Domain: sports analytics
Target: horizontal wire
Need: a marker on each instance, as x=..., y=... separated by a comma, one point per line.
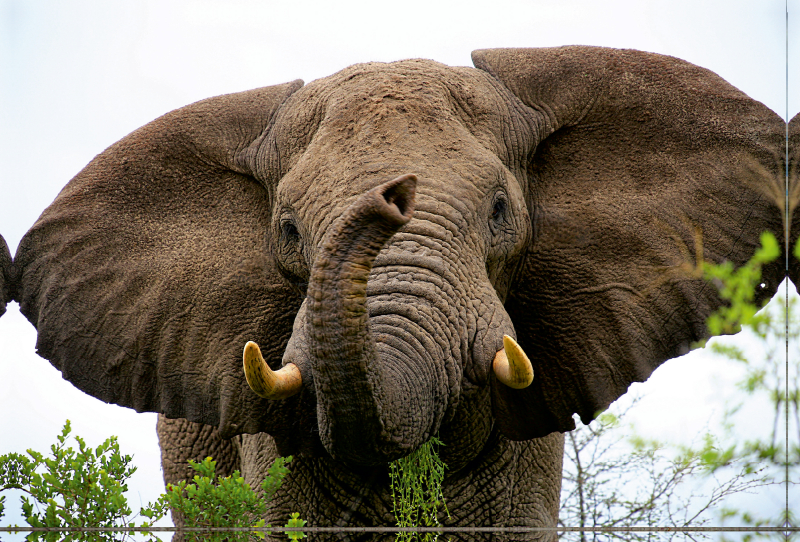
x=784, y=529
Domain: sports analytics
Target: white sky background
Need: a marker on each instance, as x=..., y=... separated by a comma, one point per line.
x=77, y=76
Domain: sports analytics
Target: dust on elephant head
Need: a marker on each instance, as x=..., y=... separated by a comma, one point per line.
x=382, y=229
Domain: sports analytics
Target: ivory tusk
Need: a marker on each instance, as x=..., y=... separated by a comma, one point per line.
x=267, y=383
x=511, y=366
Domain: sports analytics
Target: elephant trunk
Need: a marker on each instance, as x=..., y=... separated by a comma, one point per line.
x=357, y=388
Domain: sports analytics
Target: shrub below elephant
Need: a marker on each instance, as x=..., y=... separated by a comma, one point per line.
x=376, y=234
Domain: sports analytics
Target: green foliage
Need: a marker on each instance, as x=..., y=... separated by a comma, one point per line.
x=220, y=502
x=85, y=488
x=72, y=488
x=416, y=482
x=295, y=522
x=275, y=475
x=738, y=288
x=771, y=376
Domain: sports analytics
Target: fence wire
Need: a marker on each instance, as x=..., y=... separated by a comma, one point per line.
x=782, y=529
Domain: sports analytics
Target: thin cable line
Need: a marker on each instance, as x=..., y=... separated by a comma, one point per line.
x=786, y=530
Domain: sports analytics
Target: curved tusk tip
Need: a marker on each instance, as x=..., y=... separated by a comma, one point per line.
x=251, y=348
x=251, y=359
x=510, y=344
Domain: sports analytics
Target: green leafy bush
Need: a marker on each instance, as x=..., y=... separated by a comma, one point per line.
x=71, y=488
x=738, y=287
x=223, y=502
x=86, y=488
x=771, y=375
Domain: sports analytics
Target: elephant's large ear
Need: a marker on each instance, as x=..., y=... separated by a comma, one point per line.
x=793, y=207
x=5, y=275
x=151, y=269
x=644, y=164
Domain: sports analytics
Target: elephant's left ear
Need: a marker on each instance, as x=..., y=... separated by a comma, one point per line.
x=151, y=270
x=644, y=166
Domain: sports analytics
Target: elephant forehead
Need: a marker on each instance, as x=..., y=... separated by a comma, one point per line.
x=413, y=109
x=419, y=92
x=464, y=169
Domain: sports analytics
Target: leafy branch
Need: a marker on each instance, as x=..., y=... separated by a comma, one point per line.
x=85, y=488
x=416, y=482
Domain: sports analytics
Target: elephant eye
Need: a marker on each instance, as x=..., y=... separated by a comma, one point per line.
x=291, y=260
x=499, y=213
x=499, y=210
x=289, y=231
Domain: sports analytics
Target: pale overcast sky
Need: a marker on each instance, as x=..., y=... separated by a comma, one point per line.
x=77, y=76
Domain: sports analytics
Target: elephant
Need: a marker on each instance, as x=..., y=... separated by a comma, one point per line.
x=343, y=270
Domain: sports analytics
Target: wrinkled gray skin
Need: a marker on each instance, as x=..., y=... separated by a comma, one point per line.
x=382, y=229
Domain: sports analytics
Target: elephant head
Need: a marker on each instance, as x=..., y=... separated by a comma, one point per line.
x=378, y=232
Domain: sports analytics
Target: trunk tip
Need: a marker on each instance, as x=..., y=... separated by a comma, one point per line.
x=400, y=194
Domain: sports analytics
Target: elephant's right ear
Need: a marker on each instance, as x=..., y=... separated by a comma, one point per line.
x=151, y=269
x=644, y=166
x=5, y=275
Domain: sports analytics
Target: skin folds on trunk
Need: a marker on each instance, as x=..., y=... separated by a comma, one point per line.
x=356, y=390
